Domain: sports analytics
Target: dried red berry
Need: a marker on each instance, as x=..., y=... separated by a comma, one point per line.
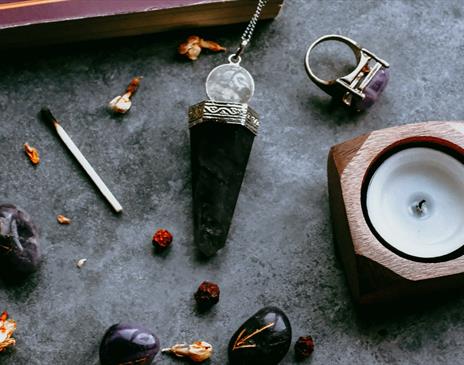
x=162, y=239
x=207, y=294
x=304, y=347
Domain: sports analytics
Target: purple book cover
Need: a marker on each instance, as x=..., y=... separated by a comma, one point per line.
x=14, y=13
x=40, y=22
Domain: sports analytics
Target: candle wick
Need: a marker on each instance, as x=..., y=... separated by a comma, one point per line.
x=420, y=206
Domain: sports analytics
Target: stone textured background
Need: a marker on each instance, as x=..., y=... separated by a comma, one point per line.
x=280, y=247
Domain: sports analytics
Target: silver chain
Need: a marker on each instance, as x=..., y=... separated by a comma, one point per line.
x=247, y=34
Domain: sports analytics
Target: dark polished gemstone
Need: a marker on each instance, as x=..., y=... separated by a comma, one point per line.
x=263, y=339
x=19, y=246
x=219, y=154
x=128, y=344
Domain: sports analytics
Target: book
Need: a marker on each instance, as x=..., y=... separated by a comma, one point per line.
x=37, y=22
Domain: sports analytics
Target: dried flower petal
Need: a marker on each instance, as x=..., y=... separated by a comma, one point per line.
x=32, y=153
x=207, y=294
x=194, y=44
x=62, y=219
x=81, y=263
x=7, y=327
x=122, y=103
x=304, y=347
x=193, y=52
x=193, y=40
x=211, y=45
x=162, y=239
x=197, y=352
x=134, y=85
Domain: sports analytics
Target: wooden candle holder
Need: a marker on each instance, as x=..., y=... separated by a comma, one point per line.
x=376, y=273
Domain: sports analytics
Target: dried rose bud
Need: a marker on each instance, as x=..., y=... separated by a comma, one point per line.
x=134, y=85
x=207, y=294
x=122, y=103
x=7, y=327
x=211, y=45
x=162, y=239
x=197, y=352
x=194, y=44
x=62, y=219
x=304, y=347
x=32, y=153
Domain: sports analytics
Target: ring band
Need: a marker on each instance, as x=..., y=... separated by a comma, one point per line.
x=361, y=88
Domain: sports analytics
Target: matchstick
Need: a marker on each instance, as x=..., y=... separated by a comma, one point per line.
x=48, y=117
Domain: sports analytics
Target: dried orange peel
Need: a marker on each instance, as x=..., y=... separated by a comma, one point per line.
x=7, y=327
x=62, y=219
x=32, y=153
x=194, y=44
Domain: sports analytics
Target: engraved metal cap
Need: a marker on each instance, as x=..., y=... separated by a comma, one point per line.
x=224, y=112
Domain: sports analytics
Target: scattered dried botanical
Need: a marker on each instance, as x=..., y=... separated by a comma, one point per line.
x=122, y=103
x=197, y=352
x=7, y=327
x=32, y=153
x=304, y=347
x=194, y=44
x=62, y=219
x=162, y=239
x=81, y=263
x=207, y=294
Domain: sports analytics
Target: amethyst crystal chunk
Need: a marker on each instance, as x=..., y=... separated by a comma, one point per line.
x=128, y=344
x=19, y=246
x=373, y=89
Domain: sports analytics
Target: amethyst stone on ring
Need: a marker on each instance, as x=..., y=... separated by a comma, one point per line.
x=373, y=89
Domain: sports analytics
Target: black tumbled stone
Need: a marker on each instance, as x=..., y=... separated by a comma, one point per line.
x=264, y=339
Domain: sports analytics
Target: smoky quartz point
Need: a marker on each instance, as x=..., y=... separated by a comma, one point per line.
x=219, y=154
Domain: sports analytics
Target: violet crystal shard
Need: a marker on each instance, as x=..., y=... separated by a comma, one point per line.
x=373, y=89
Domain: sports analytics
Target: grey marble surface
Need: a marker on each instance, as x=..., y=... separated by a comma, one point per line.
x=280, y=248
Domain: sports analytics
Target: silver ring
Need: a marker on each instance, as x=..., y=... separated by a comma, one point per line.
x=359, y=89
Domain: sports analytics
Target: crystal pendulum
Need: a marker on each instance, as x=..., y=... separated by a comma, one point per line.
x=222, y=130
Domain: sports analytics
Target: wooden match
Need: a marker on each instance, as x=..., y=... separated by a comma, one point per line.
x=48, y=117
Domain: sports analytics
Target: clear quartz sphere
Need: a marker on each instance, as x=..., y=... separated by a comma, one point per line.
x=230, y=83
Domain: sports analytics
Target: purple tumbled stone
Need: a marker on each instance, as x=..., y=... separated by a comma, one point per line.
x=128, y=344
x=373, y=89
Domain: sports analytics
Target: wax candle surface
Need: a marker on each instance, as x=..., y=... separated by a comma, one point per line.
x=415, y=202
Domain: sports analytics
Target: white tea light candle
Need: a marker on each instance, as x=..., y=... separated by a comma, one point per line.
x=415, y=202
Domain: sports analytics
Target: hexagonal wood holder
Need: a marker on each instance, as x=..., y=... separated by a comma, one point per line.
x=375, y=273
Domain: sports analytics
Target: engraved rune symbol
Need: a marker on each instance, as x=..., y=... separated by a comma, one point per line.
x=135, y=362
x=242, y=343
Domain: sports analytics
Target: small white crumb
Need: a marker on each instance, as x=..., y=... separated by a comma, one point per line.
x=81, y=263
